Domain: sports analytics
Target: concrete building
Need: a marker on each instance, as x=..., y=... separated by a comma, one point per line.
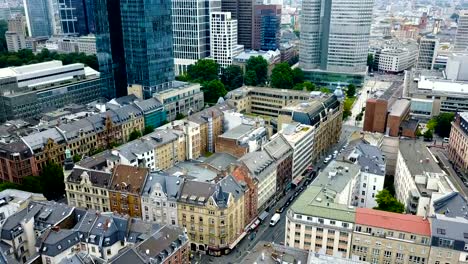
x=316, y=222
x=458, y=141
x=457, y=67
x=375, y=115
x=242, y=139
x=86, y=188
x=27, y=91
x=384, y=237
x=223, y=38
x=397, y=114
x=15, y=36
x=242, y=11
x=271, y=253
x=12, y=201
x=191, y=31
x=395, y=55
x=38, y=18
x=324, y=33
x=125, y=190
x=266, y=27
x=87, y=44
x=159, y=198
x=279, y=149
x=418, y=178
x=461, y=37
x=191, y=136
x=243, y=176
x=263, y=170
x=213, y=215
x=301, y=139
x=428, y=47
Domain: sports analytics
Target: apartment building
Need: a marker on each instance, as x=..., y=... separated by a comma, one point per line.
x=458, y=141
x=279, y=149
x=418, y=178
x=315, y=222
x=384, y=237
x=125, y=190
x=191, y=137
x=242, y=175
x=242, y=139
x=159, y=198
x=213, y=215
x=88, y=188
x=223, y=38
x=16, y=162
x=263, y=169
x=301, y=139
x=12, y=201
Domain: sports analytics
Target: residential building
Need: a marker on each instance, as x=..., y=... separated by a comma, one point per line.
x=17, y=161
x=12, y=201
x=418, y=178
x=324, y=33
x=269, y=253
x=461, y=37
x=159, y=198
x=263, y=170
x=428, y=46
x=16, y=35
x=38, y=18
x=191, y=31
x=242, y=11
x=242, y=175
x=27, y=91
x=316, y=222
x=213, y=215
x=151, y=63
x=301, y=139
x=88, y=188
x=182, y=98
x=125, y=190
x=386, y=237
x=279, y=149
x=241, y=140
x=191, y=138
x=458, y=141
x=273, y=57
x=266, y=27
x=223, y=38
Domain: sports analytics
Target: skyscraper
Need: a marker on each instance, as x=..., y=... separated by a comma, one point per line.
x=266, y=27
x=72, y=17
x=334, y=40
x=148, y=43
x=428, y=46
x=461, y=38
x=16, y=34
x=38, y=18
x=242, y=11
x=224, y=38
x=191, y=27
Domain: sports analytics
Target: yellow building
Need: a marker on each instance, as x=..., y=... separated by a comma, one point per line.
x=213, y=215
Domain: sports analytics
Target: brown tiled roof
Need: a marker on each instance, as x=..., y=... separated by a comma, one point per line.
x=129, y=179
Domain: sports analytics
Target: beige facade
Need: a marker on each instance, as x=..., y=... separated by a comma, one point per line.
x=458, y=142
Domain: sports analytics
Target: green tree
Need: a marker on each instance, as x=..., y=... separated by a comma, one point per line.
x=179, y=116
x=260, y=66
x=370, y=60
x=308, y=86
x=134, y=135
x=76, y=158
x=251, y=78
x=282, y=76
x=232, y=77
x=3, y=29
x=203, y=70
x=52, y=181
x=325, y=90
x=386, y=202
x=428, y=135
x=213, y=90
x=351, y=91
x=9, y=185
x=444, y=124
x=32, y=184
x=298, y=76
x=148, y=129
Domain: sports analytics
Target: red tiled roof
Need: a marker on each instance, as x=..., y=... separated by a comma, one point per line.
x=393, y=221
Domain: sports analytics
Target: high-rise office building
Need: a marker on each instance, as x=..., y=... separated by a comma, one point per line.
x=428, y=46
x=223, y=36
x=191, y=29
x=72, y=17
x=148, y=44
x=266, y=27
x=242, y=11
x=334, y=40
x=38, y=18
x=461, y=38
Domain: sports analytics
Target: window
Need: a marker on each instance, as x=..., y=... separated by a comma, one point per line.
x=332, y=222
x=109, y=251
x=387, y=254
x=363, y=192
x=449, y=254
x=440, y=231
x=401, y=236
x=358, y=228
x=320, y=220
x=400, y=256
x=345, y=225
x=413, y=237
x=466, y=246
x=390, y=234
x=375, y=251
x=447, y=243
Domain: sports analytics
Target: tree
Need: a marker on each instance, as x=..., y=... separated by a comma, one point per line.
x=9, y=185
x=32, y=184
x=76, y=158
x=298, y=76
x=52, y=181
x=179, y=116
x=444, y=124
x=282, y=76
x=203, y=70
x=251, y=78
x=308, y=86
x=232, y=77
x=351, y=91
x=134, y=135
x=148, y=129
x=370, y=60
x=386, y=202
x=213, y=90
x=428, y=135
x=325, y=90
x=260, y=66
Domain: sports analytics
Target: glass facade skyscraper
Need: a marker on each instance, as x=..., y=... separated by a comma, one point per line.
x=72, y=17
x=38, y=18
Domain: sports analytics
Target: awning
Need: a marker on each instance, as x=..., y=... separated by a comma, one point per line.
x=297, y=180
x=263, y=215
x=233, y=244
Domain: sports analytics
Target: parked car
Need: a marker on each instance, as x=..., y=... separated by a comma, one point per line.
x=280, y=210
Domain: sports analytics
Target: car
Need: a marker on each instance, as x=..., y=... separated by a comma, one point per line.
x=280, y=210
x=326, y=160
x=287, y=204
x=335, y=152
x=291, y=199
x=334, y=155
x=301, y=189
x=296, y=194
x=329, y=157
x=446, y=140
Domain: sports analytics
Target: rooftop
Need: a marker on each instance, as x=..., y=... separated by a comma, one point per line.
x=193, y=170
x=452, y=205
x=399, y=107
x=294, y=133
x=418, y=158
x=220, y=161
x=274, y=253
x=371, y=159
x=170, y=185
x=393, y=221
x=238, y=131
x=128, y=179
x=259, y=163
x=336, y=176
x=97, y=178
x=278, y=147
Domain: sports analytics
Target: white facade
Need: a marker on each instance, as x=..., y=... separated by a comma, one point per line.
x=85, y=195
x=457, y=67
x=15, y=41
x=87, y=44
x=191, y=27
x=428, y=47
x=370, y=185
x=301, y=139
x=137, y=153
x=461, y=38
x=397, y=60
x=266, y=188
x=157, y=208
x=12, y=201
x=223, y=38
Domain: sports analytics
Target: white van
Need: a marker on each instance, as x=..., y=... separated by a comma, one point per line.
x=275, y=219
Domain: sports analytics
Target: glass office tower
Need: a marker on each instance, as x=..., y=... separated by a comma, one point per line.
x=38, y=18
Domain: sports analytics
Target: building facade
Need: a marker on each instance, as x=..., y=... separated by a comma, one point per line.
x=428, y=47
x=301, y=139
x=461, y=37
x=279, y=149
x=182, y=98
x=241, y=10
x=266, y=27
x=223, y=38
x=458, y=141
x=16, y=162
x=38, y=18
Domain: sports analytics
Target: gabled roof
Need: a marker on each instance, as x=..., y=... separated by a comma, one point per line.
x=170, y=185
x=98, y=178
x=259, y=163
x=128, y=179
